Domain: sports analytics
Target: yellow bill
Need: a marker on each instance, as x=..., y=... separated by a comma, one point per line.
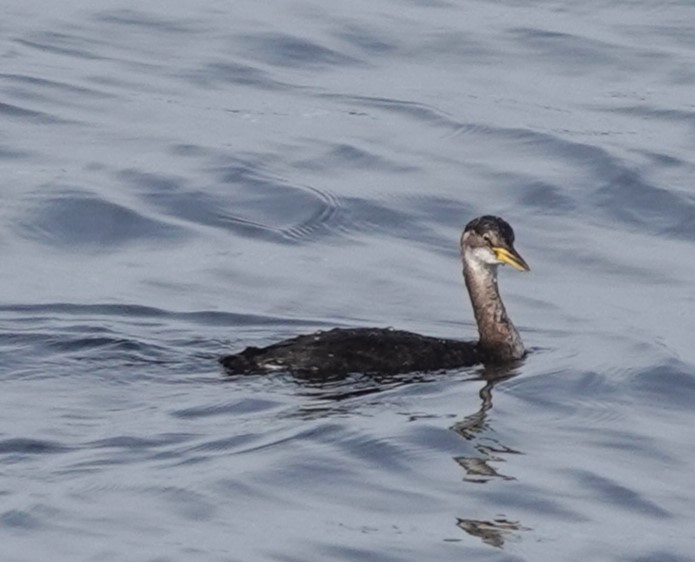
x=511, y=257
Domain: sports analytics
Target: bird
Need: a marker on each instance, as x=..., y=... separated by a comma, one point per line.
x=486, y=243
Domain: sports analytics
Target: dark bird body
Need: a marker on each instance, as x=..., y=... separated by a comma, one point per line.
x=355, y=350
x=486, y=243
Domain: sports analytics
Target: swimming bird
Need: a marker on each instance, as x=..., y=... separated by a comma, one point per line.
x=486, y=243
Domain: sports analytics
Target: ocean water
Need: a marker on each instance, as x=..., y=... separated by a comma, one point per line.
x=181, y=180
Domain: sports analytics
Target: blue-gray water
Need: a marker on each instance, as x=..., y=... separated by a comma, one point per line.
x=180, y=180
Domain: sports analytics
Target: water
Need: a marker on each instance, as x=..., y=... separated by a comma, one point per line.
x=180, y=181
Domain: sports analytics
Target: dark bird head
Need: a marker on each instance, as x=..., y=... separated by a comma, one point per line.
x=489, y=240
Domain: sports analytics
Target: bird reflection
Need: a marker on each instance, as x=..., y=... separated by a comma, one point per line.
x=493, y=532
x=475, y=423
x=478, y=468
x=473, y=427
x=337, y=397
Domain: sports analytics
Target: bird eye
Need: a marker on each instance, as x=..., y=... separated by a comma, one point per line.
x=487, y=239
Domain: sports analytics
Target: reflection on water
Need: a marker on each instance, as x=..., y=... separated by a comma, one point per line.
x=494, y=533
x=475, y=428
x=478, y=469
x=343, y=395
x=470, y=426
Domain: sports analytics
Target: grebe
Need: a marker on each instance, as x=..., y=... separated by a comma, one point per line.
x=486, y=243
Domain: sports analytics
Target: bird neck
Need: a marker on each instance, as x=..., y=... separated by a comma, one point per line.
x=499, y=339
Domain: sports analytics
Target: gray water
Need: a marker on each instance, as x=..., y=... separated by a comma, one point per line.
x=180, y=180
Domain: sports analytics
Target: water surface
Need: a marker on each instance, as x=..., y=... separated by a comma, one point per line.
x=182, y=181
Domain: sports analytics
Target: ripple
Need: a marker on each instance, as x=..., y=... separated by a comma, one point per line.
x=416, y=110
x=253, y=202
x=370, y=41
x=133, y=443
x=132, y=19
x=285, y=50
x=650, y=112
x=629, y=197
x=344, y=552
x=144, y=341
x=618, y=495
x=239, y=74
x=7, y=153
x=547, y=198
x=78, y=220
x=622, y=193
x=592, y=398
x=351, y=157
x=55, y=91
x=32, y=115
x=60, y=43
x=86, y=344
x=369, y=449
x=19, y=519
x=534, y=500
x=22, y=446
x=125, y=310
x=259, y=205
x=661, y=555
x=669, y=385
x=247, y=405
x=567, y=48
